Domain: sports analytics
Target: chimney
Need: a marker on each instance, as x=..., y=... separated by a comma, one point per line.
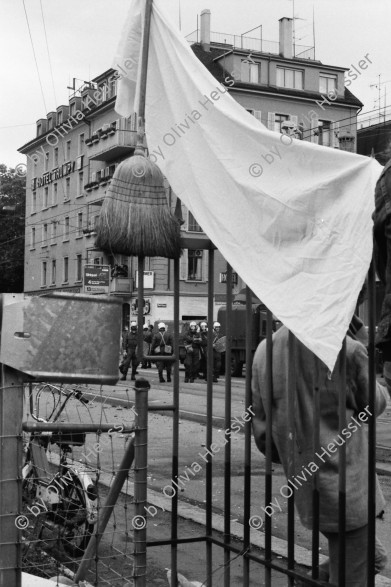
x=286, y=37
x=205, y=29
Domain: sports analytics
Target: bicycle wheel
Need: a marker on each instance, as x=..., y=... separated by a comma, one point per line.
x=47, y=400
x=71, y=514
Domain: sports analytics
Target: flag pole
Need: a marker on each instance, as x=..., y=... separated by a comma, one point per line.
x=141, y=145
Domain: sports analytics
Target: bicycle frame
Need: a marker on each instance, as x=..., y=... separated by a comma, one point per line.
x=64, y=496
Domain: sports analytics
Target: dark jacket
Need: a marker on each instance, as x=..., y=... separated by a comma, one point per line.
x=159, y=341
x=194, y=339
x=130, y=342
x=148, y=336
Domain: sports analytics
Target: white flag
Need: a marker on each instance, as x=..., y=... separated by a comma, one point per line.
x=292, y=218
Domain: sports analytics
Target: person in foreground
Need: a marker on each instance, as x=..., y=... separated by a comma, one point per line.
x=310, y=373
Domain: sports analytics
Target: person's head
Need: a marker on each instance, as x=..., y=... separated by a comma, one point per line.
x=126, y=328
x=161, y=327
x=203, y=327
x=133, y=326
x=145, y=328
x=193, y=326
x=216, y=326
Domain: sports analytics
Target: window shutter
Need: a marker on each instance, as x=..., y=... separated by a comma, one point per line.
x=335, y=132
x=257, y=115
x=133, y=121
x=314, y=127
x=183, y=265
x=271, y=120
x=205, y=265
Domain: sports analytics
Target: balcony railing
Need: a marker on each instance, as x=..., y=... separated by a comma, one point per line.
x=111, y=142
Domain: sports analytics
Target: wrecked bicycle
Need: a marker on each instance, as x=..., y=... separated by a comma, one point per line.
x=60, y=501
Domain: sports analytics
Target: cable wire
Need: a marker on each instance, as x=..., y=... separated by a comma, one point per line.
x=35, y=57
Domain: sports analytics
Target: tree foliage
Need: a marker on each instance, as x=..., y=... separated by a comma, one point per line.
x=12, y=223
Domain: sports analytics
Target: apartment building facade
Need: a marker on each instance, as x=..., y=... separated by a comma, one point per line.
x=73, y=156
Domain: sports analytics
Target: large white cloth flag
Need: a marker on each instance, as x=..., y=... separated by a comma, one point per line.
x=292, y=218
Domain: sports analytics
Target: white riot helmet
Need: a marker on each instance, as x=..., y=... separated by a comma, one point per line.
x=161, y=325
x=216, y=324
x=203, y=326
x=193, y=325
x=145, y=327
x=133, y=325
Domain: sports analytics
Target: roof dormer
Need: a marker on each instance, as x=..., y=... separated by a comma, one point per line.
x=41, y=126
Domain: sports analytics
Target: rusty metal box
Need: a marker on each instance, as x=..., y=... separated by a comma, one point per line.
x=62, y=337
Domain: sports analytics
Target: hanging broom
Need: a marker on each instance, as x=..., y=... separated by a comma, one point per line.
x=135, y=218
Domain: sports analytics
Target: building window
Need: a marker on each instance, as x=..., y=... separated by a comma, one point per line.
x=45, y=202
x=39, y=129
x=68, y=151
x=81, y=183
x=194, y=267
x=53, y=280
x=34, y=203
x=289, y=78
x=66, y=228
x=46, y=163
x=50, y=123
x=79, y=265
x=325, y=135
x=67, y=194
x=32, y=243
x=66, y=269
x=250, y=72
x=44, y=273
x=278, y=120
x=80, y=224
x=193, y=225
x=81, y=144
x=53, y=236
x=94, y=223
x=59, y=117
x=54, y=194
x=327, y=83
x=55, y=162
x=44, y=235
x=73, y=109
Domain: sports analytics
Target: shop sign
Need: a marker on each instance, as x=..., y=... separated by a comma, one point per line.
x=223, y=278
x=50, y=176
x=96, y=279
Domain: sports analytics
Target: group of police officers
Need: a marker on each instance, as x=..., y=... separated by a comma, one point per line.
x=195, y=342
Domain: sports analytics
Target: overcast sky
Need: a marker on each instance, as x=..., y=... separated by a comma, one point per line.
x=82, y=37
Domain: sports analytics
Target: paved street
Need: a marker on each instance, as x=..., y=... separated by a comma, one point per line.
x=192, y=444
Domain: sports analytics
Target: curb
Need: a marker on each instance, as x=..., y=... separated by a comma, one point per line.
x=217, y=421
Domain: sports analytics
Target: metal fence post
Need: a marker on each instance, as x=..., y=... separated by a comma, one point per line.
x=11, y=450
x=140, y=482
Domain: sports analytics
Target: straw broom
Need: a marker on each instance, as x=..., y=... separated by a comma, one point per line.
x=135, y=218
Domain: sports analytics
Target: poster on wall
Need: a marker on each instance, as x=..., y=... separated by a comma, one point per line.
x=97, y=279
x=149, y=277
